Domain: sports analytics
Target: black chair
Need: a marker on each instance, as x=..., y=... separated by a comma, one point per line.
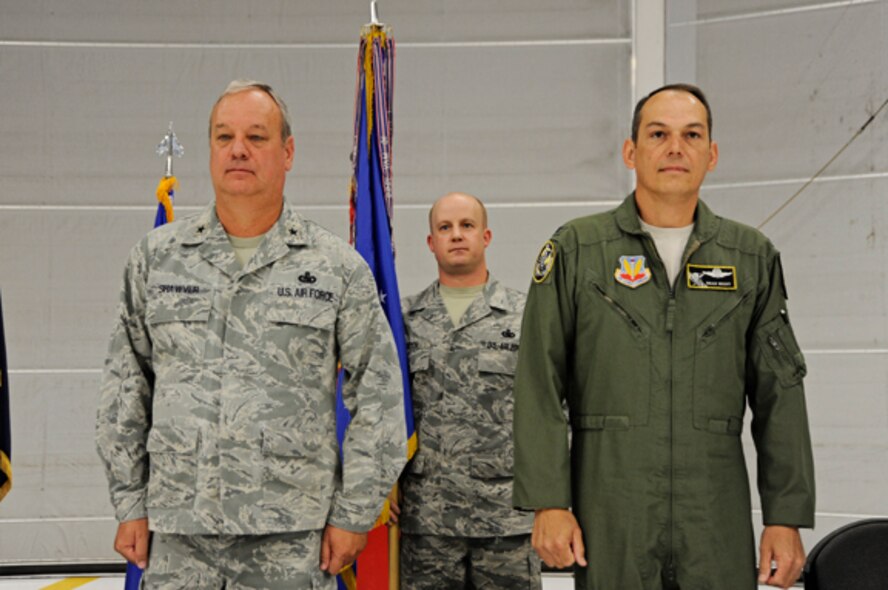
x=854, y=557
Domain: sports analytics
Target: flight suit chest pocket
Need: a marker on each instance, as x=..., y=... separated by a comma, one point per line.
x=612, y=356
x=720, y=363
x=172, y=452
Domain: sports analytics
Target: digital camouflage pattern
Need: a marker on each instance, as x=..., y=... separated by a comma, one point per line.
x=216, y=413
x=431, y=562
x=285, y=561
x=459, y=483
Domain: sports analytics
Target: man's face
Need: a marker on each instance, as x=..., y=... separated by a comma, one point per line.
x=673, y=151
x=458, y=235
x=247, y=156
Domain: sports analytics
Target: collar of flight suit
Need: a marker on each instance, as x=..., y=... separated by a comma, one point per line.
x=206, y=233
x=706, y=223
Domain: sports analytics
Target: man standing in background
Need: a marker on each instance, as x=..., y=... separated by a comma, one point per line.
x=216, y=422
x=657, y=323
x=459, y=529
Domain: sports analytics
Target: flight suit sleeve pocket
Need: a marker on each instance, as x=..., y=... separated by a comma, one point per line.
x=597, y=422
x=782, y=351
x=492, y=466
x=173, y=465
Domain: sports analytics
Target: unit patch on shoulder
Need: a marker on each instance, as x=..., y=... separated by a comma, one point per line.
x=632, y=271
x=712, y=277
x=544, y=262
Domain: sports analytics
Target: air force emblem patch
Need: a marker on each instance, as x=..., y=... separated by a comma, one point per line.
x=632, y=271
x=544, y=262
x=712, y=278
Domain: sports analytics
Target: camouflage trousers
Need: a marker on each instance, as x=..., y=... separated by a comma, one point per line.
x=432, y=562
x=234, y=562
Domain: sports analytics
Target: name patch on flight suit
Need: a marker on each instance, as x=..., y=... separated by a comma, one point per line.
x=632, y=272
x=712, y=277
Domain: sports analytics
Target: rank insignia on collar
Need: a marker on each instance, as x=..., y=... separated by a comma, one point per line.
x=632, y=272
x=712, y=277
x=544, y=262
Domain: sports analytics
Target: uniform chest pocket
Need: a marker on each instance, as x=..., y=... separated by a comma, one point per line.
x=178, y=327
x=720, y=363
x=300, y=330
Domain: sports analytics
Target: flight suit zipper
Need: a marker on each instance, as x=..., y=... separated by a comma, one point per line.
x=692, y=246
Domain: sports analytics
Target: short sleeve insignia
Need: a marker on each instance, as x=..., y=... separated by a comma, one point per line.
x=544, y=262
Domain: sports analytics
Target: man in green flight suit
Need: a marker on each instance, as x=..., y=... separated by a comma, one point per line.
x=657, y=323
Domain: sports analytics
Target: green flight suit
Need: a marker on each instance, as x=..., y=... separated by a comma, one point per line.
x=656, y=381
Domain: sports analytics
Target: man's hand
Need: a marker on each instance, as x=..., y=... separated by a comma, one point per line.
x=394, y=498
x=783, y=545
x=557, y=538
x=340, y=548
x=132, y=541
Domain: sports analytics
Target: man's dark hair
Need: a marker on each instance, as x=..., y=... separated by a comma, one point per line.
x=689, y=88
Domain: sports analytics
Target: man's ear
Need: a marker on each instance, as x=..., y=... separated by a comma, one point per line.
x=629, y=154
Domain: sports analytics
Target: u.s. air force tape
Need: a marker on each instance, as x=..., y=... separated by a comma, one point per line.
x=544, y=262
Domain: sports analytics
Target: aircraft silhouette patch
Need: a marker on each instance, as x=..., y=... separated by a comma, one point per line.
x=712, y=277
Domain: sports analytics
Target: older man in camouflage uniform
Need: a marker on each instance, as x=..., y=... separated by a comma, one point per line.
x=460, y=530
x=216, y=422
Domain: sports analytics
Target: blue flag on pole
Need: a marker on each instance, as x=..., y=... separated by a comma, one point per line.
x=371, y=234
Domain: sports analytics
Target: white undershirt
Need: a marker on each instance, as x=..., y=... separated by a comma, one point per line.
x=670, y=243
x=458, y=299
x=244, y=248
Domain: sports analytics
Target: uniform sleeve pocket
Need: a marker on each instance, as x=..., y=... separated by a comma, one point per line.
x=493, y=466
x=314, y=316
x=782, y=352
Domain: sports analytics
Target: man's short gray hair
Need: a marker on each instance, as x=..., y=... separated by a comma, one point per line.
x=236, y=86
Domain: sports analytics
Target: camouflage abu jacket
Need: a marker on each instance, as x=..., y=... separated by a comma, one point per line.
x=216, y=413
x=459, y=483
